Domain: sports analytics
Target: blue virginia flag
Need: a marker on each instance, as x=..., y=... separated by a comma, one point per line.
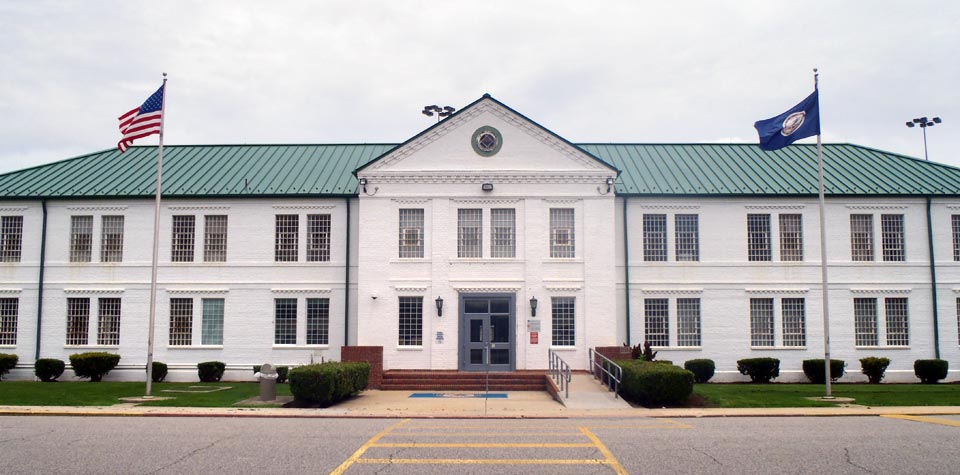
x=801, y=121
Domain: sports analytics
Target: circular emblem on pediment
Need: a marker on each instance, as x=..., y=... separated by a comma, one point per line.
x=486, y=141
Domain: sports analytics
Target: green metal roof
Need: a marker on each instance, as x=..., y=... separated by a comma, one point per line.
x=326, y=170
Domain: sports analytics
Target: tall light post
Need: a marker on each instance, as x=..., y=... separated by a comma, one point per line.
x=440, y=112
x=923, y=122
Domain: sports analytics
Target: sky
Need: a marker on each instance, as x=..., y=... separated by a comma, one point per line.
x=361, y=71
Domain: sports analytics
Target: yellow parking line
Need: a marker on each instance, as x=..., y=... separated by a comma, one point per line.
x=519, y=445
x=481, y=434
x=611, y=460
x=931, y=420
x=363, y=448
x=487, y=461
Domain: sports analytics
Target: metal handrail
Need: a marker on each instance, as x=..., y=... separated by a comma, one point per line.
x=608, y=372
x=560, y=372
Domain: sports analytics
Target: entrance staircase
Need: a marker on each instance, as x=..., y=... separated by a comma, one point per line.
x=427, y=380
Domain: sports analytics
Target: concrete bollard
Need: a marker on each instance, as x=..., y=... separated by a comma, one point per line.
x=268, y=382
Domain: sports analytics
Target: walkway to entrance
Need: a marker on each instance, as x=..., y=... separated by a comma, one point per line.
x=588, y=394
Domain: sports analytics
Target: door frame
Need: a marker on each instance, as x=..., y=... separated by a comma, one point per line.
x=463, y=354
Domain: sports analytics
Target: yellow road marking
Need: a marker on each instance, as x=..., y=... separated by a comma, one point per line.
x=363, y=448
x=519, y=445
x=931, y=420
x=611, y=460
x=482, y=434
x=487, y=461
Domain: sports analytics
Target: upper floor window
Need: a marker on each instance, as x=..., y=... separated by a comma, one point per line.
x=861, y=237
x=287, y=231
x=955, y=222
x=411, y=233
x=184, y=231
x=503, y=232
x=758, y=237
x=469, y=232
x=892, y=228
x=318, y=237
x=81, y=238
x=687, y=230
x=791, y=237
x=11, y=238
x=562, y=233
x=215, y=238
x=111, y=239
x=655, y=237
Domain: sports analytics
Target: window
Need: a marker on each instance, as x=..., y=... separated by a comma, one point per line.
x=562, y=233
x=758, y=237
x=469, y=232
x=215, y=238
x=898, y=322
x=108, y=321
x=181, y=322
x=688, y=322
x=791, y=237
x=411, y=233
x=11, y=237
x=861, y=237
x=111, y=239
x=656, y=313
x=503, y=233
x=411, y=321
x=794, y=322
x=955, y=220
x=78, y=320
x=563, y=321
x=958, y=321
x=865, y=321
x=212, y=322
x=285, y=322
x=655, y=237
x=9, y=308
x=687, y=230
x=318, y=321
x=184, y=229
x=81, y=238
x=892, y=228
x=761, y=322
x=287, y=231
x=318, y=238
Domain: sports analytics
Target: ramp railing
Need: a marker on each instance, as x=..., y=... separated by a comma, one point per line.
x=560, y=372
x=608, y=372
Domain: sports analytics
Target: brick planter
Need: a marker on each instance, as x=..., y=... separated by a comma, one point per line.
x=366, y=354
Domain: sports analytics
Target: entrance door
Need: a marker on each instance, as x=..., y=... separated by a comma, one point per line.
x=487, y=332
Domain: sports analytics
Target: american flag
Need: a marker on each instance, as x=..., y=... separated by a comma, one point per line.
x=142, y=121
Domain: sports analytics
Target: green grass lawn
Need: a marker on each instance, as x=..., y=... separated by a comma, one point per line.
x=794, y=395
x=28, y=393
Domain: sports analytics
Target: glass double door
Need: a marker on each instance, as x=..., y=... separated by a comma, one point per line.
x=487, y=332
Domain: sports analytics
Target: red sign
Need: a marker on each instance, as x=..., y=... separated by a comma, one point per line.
x=534, y=338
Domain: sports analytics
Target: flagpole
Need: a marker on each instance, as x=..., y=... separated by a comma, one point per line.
x=823, y=254
x=156, y=242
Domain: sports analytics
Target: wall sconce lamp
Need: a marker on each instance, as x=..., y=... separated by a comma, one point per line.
x=609, y=182
x=487, y=187
x=533, y=306
x=439, y=306
x=363, y=185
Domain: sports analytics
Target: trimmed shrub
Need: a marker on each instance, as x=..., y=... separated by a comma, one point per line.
x=159, y=372
x=7, y=362
x=930, y=371
x=702, y=369
x=211, y=371
x=874, y=368
x=48, y=369
x=760, y=370
x=816, y=372
x=655, y=384
x=325, y=384
x=94, y=365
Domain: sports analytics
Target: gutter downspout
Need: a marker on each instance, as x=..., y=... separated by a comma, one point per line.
x=43, y=251
x=346, y=282
x=933, y=284
x=626, y=265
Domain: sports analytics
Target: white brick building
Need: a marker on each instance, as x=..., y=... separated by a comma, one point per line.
x=284, y=253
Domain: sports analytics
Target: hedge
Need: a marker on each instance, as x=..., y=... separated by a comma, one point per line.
x=325, y=384
x=651, y=383
x=159, y=372
x=211, y=371
x=816, y=371
x=760, y=370
x=94, y=365
x=7, y=362
x=874, y=368
x=930, y=371
x=48, y=369
x=702, y=369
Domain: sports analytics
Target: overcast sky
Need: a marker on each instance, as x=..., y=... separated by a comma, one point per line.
x=357, y=71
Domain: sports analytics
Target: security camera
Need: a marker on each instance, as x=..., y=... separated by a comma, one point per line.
x=373, y=295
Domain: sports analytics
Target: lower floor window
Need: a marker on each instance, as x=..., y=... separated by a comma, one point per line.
x=285, y=322
x=761, y=322
x=794, y=322
x=656, y=319
x=410, y=321
x=78, y=321
x=898, y=322
x=181, y=322
x=211, y=332
x=9, y=308
x=108, y=321
x=688, y=322
x=318, y=321
x=564, y=321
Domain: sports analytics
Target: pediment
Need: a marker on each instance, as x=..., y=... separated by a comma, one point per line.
x=521, y=147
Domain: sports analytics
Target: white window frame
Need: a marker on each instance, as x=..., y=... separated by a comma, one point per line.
x=282, y=329
x=470, y=233
x=9, y=314
x=111, y=238
x=655, y=237
x=791, y=237
x=503, y=233
x=11, y=238
x=563, y=234
x=656, y=321
x=687, y=237
x=109, y=315
x=213, y=314
x=183, y=233
x=865, y=322
x=216, y=229
x=81, y=238
x=759, y=239
x=861, y=238
x=181, y=321
x=563, y=321
x=410, y=324
x=318, y=237
x=411, y=228
x=78, y=321
x=893, y=232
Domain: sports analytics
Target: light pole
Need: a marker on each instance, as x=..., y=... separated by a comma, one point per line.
x=923, y=122
x=441, y=112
